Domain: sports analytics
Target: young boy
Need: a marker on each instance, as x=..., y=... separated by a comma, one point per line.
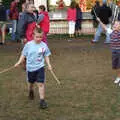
x=36, y=52
x=115, y=46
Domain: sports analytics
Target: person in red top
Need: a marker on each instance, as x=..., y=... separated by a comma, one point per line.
x=44, y=22
x=14, y=15
x=71, y=17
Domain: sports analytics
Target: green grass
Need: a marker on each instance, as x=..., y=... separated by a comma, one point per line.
x=87, y=91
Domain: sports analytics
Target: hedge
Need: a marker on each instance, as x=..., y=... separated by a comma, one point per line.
x=8, y=2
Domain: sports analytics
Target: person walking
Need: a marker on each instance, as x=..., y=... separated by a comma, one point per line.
x=78, y=20
x=104, y=14
x=14, y=15
x=3, y=18
x=94, y=10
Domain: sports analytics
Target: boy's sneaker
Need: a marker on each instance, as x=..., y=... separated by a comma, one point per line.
x=117, y=80
x=31, y=95
x=43, y=104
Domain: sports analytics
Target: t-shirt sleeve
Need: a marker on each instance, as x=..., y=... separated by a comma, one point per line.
x=109, y=30
x=25, y=50
x=47, y=52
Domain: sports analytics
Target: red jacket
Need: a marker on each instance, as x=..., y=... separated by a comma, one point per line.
x=45, y=23
x=71, y=14
x=14, y=14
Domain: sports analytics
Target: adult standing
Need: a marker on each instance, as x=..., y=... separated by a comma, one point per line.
x=3, y=18
x=14, y=15
x=78, y=20
x=104, y=14
x=71, y=17
x=95, y=10
x=27, y=24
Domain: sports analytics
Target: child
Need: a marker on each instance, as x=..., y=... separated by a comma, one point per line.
x=36, y=52
x=115, y=46
x=71, y=17
x=44, y=22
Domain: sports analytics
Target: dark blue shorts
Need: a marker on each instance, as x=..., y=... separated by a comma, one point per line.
x=116, y=60
x=37, y=76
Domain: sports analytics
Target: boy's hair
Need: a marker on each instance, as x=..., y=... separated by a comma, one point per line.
x=38, y=30
x=27, y=5
x=42, y=7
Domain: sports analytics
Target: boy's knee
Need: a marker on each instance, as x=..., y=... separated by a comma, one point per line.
x=41, y=85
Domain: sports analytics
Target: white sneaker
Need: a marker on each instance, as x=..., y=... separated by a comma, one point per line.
x=117, y=81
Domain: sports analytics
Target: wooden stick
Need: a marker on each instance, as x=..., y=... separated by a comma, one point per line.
x=55, y=77
x=6, y=70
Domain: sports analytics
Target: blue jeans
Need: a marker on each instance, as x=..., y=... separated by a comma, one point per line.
x=14, y=25
x=98, y=34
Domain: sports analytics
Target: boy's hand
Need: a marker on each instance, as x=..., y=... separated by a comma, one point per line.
x=49, y=67
x=17, y=65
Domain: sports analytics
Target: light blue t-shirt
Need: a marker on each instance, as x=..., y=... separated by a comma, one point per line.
x=35, y=54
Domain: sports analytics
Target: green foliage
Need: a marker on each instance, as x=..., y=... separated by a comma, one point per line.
x=7, y=3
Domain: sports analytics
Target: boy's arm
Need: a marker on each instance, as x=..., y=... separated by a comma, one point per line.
x=103, y=25
x=21, y=60
x=47, y=60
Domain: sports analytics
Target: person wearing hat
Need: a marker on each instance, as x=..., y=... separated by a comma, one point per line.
x=105, y=13
x=3, y=19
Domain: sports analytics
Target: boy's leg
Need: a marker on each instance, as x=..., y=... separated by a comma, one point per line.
x=43, y=103
x=116, y=65
x=98, y=33
x=31, y=91
x=41, y=88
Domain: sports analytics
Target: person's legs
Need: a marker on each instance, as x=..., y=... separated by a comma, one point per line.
x=98, y=33
x=14, y=25
x=107, y=36
x=3, y=32
x=116, y=65
x=31, y=90
x=41, y=88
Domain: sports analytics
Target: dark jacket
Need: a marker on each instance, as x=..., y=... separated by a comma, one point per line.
x=78, y=14
x=26, y=25
x=104, y=14
x=3, y=15
x=94, y=10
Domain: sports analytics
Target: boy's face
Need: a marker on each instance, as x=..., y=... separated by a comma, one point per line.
x=38, y=37
x=40, y=10
x=116, y=26
x=30, y=8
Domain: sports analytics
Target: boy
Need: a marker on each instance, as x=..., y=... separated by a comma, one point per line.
x=36, y=52
x=115, y=46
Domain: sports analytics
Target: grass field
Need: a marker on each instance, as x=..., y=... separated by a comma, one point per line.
x=87, y=91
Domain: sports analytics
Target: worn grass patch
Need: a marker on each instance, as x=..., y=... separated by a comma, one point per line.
x=87, y=91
